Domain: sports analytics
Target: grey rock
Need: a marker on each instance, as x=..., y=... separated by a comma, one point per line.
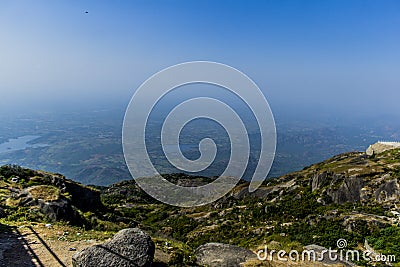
x=222, y=255
x=319, y=180
x=338, y=188
x=348, y=191
x=380, y=147
x=129, y=247
x=388, y=191
x=260, y=193
x=60, y=209
x=82, y=197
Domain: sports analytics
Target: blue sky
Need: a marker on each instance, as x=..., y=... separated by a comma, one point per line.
x=334, y=54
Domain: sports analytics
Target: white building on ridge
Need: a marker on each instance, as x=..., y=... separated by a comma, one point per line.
x=381, y=146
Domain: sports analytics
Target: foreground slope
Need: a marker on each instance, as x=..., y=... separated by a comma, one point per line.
x=351, y=196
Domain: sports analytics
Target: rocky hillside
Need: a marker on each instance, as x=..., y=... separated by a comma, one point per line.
x=46, y=195
x=351, y=196
x=346, y=178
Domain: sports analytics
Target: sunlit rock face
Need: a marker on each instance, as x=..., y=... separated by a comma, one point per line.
x=380, y=147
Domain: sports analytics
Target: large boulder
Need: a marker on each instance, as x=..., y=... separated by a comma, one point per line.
x=380, y=147
x=337, y=187
x=389, y=191
x=348, y=191
x=60, y=210
x=50, y=202
x=320, y=180
x=83, y=197
x=129, y=247
x=222, y=255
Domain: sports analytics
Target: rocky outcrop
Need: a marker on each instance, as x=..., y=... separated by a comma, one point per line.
x=348, y=191
x=260, y=192
x=60, y=210
x=221, y=255
x=57, y=208
x=82, y=197
x=320, y=180
x=337, y=187
x=388, y=191
x=380, y=147
x=129, y=247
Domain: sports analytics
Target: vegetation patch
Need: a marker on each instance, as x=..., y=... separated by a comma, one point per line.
x=45, y=192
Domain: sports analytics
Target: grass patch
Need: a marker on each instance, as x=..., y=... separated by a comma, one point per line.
x=45, y=192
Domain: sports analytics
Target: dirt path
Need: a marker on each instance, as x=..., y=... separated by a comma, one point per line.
x=40, y=246
x=14, y=251
x=27, y=246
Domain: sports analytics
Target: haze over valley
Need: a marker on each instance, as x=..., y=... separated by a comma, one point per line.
x=86, y=130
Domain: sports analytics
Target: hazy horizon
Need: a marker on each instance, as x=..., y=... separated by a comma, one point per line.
x=316, y=56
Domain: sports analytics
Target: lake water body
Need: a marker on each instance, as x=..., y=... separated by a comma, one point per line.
x=20, y=143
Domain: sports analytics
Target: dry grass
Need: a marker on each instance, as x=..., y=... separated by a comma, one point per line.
x=11, y=202
x=45, y=192
x=61, y=247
